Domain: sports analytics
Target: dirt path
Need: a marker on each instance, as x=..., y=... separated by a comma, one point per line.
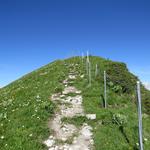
x=69, y=106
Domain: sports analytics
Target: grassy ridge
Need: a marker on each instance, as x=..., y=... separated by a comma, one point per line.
x=25, y=106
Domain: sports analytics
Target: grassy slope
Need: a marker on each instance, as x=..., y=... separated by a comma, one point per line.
x=27, y=107
x=107, y=135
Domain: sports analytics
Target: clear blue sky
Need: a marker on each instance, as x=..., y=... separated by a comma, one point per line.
x=36, y=32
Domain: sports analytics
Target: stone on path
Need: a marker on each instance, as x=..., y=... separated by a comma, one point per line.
x=71, y=89
x=91, y=116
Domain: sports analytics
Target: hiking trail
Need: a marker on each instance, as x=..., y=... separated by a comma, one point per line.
x=67, y=136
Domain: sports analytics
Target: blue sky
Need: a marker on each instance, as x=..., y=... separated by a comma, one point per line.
x=36, y=32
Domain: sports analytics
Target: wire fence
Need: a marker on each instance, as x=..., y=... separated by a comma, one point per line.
x=106, y=78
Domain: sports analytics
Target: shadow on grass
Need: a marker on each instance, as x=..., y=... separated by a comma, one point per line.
x=124, y=134
x=126, y=138
x=103, y=100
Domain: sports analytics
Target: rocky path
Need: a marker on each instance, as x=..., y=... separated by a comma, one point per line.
x=69, y=106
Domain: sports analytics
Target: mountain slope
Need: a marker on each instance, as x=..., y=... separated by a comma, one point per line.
x=25, y=106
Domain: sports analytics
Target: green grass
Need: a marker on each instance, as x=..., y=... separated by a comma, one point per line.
x=107, y=135
x=25, y=106
x=77, y=121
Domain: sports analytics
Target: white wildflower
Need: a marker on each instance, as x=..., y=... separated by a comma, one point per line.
x=2, y=137
x=38, y=117
x=37, y=96
x=5, y=116
x=137, y=144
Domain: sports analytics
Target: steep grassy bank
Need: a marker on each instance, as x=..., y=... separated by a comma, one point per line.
x=116, y=128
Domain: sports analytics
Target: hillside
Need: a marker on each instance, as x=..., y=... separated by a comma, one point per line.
x=26, y=106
